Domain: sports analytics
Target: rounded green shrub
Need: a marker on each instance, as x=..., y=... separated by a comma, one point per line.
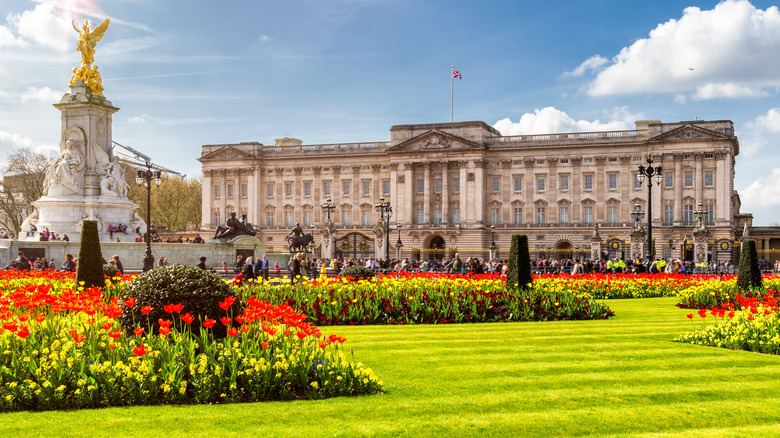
x=110, y=271
x=357, y=272
x=199, y=291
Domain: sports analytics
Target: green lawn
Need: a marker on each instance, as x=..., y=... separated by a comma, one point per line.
x=621, y=377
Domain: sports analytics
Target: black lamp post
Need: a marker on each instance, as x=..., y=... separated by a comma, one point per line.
x=327, y=207
x=399, y=244
x=651, y=173
x=493, y=242
x=699, y=214
x=385, y=212
x=146, y=177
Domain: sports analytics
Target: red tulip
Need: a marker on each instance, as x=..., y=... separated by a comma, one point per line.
x=139, y=331
x=139, y=350
x=130, y=302
x=232, y=332
x=209, y=323
x=146, y=309
x=23, y=332
x=188, y=318
x=226, y=303
x=115, y=334
x=165, y=330
x=264, y=344
x=225, y=320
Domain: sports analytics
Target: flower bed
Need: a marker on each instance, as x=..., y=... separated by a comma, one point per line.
x=754, y=328
x=614, y=286
x=426, y=299
x=712, y=294
x=64, y=349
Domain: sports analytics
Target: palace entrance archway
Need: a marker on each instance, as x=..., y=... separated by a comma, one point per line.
x=436, y=248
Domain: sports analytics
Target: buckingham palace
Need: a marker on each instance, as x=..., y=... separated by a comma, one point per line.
x=465, y=187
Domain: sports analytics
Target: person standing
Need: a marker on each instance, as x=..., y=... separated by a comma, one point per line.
x=68, y=265
x=118, y=264
x=202, y=264
x=455, y=265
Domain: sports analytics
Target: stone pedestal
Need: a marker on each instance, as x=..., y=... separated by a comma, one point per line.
x=700, y=240
x=86, y=181
x=638, y=244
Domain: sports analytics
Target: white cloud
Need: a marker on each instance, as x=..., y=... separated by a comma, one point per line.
x=14, y=140
x=593, y=63
x=551, y=120
x=729, y=51
x=769, y=121
x=762, y=192
x=264, y=38
x=45, y=94
x=138, y=119
x=44, y=25
x=730, y=90
x=7, y=38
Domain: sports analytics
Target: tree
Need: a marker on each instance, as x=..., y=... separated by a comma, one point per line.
x=176, y=204
x=22, y=184
x=519, y=270
x=749, y=273
x=90, y=267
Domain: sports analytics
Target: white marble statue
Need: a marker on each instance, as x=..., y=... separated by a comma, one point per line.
x=65, y=168
x=112, y=183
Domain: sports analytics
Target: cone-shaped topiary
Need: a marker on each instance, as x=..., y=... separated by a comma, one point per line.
x=749, y=272
x=519, y=270
x=90, y=263
x=199, y=291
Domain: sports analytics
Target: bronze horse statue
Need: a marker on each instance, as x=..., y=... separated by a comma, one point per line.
x=299, y=243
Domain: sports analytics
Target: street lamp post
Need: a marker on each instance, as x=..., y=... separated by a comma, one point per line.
x=385, y=212
x=145, y=178
x=493, y=242
x=651, y=173
x=398, y=244
x=327, y=207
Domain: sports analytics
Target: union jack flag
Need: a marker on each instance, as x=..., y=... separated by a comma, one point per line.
x=455, y=73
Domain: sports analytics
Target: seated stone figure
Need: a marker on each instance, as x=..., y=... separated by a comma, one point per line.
x=234, y=227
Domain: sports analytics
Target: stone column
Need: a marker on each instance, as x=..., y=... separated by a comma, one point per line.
x=698, y=176
x=678, y=186
x=445, y=192
x=600, y=192
x=409, y=181
x=462, y=194
x=479, y=192
x=427, y=192
x=205, y=210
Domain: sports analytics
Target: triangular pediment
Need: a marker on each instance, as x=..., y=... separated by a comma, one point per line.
x=435, y=140
x=689, y=132
x=226, y=152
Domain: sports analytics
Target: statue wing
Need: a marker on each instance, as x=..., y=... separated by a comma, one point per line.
x=97, y=34
x=101, y=157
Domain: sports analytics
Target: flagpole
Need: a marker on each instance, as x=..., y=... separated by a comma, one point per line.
x=452, y=93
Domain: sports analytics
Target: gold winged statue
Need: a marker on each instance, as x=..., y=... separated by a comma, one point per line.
x=86, y=45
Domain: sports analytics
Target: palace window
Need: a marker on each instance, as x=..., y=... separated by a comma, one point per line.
x=420, y=216
x=269, y=219
x=637, y=182
x=669, y=180
x=307, y=218
x=564, y=182
x=455, y=215
x=688, y=178
x=518, y=216
x=612, y=179
x=688, y=213
x=518, y=183
x=269, y=190
x=668, y=213
x=217, y=191
x=366, y=188
x=217, y=218
x=437, y=185
x=540, y=183
x=612, y=214
x=709, y=179
x=386, y=187
x=307, y=189
x=456, y=185
x=230, y=190
x=437, y=216
x=366, y=217
x=540, y=213
x=345, y=188
x=326, y=188
x=496, y=183
x=420, y=185
x=587, y=214
x=494, y=218
x=288, y=190
x=587, y=182
x=288, y=218
x=346, y=217
x=564, y=215
x=244, y=190
x=709, y=213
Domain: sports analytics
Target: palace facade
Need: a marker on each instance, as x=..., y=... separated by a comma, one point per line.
x=462, y=186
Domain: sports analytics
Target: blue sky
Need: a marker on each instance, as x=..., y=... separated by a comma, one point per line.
x=188, y=73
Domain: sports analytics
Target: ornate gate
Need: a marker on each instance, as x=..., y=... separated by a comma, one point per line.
x=354, y=245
